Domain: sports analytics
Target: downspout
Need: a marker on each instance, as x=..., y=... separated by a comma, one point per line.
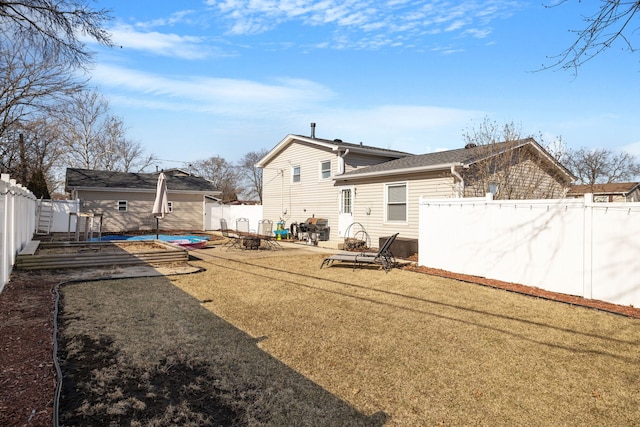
x=341, y=161
x=459, y=185
x=281, y=172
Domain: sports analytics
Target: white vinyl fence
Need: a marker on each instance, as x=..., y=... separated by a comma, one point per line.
x=571, y=246
x=61, y=210
x=17, y=223
x=216, y=211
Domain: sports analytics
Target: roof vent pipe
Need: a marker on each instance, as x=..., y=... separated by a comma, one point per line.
x=313, y=130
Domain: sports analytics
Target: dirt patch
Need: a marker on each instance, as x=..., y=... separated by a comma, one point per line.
x=27, y=380
x=101, y=248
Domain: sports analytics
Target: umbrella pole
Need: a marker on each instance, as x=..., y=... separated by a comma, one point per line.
x=157, y=227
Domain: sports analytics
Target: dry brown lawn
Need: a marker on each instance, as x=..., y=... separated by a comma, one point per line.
x=268, y=338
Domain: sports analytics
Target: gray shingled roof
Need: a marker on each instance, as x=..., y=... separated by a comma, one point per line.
x=461, y=156
x=360, y=146
x=86, y=178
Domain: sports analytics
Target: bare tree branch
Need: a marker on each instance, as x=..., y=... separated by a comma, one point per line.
x=612, y=22
x=601, y=165
x=252, y=174
x=224, y=176
x=508, y=166
x=55, y=27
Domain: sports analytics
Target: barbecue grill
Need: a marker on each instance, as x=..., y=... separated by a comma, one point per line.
x=314, y=229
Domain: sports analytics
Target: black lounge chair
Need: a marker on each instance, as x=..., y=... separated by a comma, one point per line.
x=384, y=257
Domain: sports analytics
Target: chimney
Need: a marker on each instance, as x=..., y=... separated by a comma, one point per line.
x=313, y=130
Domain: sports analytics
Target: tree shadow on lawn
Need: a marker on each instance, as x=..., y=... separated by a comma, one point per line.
x=143, y=352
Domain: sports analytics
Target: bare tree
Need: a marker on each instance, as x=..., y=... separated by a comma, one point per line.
x=601, y=165
x=223, y=174
x=82, y=128
x=54, y=28
x=30, y=85
x=32, y=149
x=133, y=157
x=95, y=139
x=509, y=165
x=613, y=21
x=252, y=174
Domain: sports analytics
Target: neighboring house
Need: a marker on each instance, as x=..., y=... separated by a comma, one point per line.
x=612, y=192
x=380, y=188
x=126, y=199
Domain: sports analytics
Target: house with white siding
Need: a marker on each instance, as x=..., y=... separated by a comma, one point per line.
x=125, y=200
x=379, y=189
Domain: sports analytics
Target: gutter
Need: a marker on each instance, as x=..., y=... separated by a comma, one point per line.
x=392, y=172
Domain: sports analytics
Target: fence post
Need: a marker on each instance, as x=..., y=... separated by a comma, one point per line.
x=4, y=229
x=587, y=278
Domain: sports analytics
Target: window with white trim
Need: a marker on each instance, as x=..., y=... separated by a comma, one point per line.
x=122, y=205
x=170, y=206
x=325, y=169
x=396, y=200
x=295, y=174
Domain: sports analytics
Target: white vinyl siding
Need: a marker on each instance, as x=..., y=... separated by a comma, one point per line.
x=370, y=198
x=304, y=199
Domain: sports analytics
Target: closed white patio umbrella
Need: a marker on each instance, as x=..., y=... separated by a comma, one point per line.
x=161, y=204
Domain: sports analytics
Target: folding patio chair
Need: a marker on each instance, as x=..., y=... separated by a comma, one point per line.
x=248, y=239
x=242, y=226
x=265, y=233
x=384, y=257
x=233, y=239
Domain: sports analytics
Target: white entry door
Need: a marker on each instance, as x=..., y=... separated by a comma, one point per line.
x=345, y=216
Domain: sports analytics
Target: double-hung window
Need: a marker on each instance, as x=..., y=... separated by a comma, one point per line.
x=396, y=201
x=122, y=205
x=325, y=169
x=295, y=174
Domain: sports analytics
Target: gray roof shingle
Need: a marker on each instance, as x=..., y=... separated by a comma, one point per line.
x=86, y=178
x=461, y=156
x=360, y=147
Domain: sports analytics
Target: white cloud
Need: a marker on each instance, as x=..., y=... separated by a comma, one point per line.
x=281, y=105
x=171, y=45
x=179, y=17
x=633, y=148
x=411, y=128
x=351, y=20
x=207, y=94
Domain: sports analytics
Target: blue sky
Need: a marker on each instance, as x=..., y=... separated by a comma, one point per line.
x=202, y=78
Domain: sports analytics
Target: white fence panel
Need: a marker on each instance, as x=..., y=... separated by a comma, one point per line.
x=615, y=252
x=571, y=246
x=61, y=210
x=216, y=211
x=539, y=242
x=17, y=223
